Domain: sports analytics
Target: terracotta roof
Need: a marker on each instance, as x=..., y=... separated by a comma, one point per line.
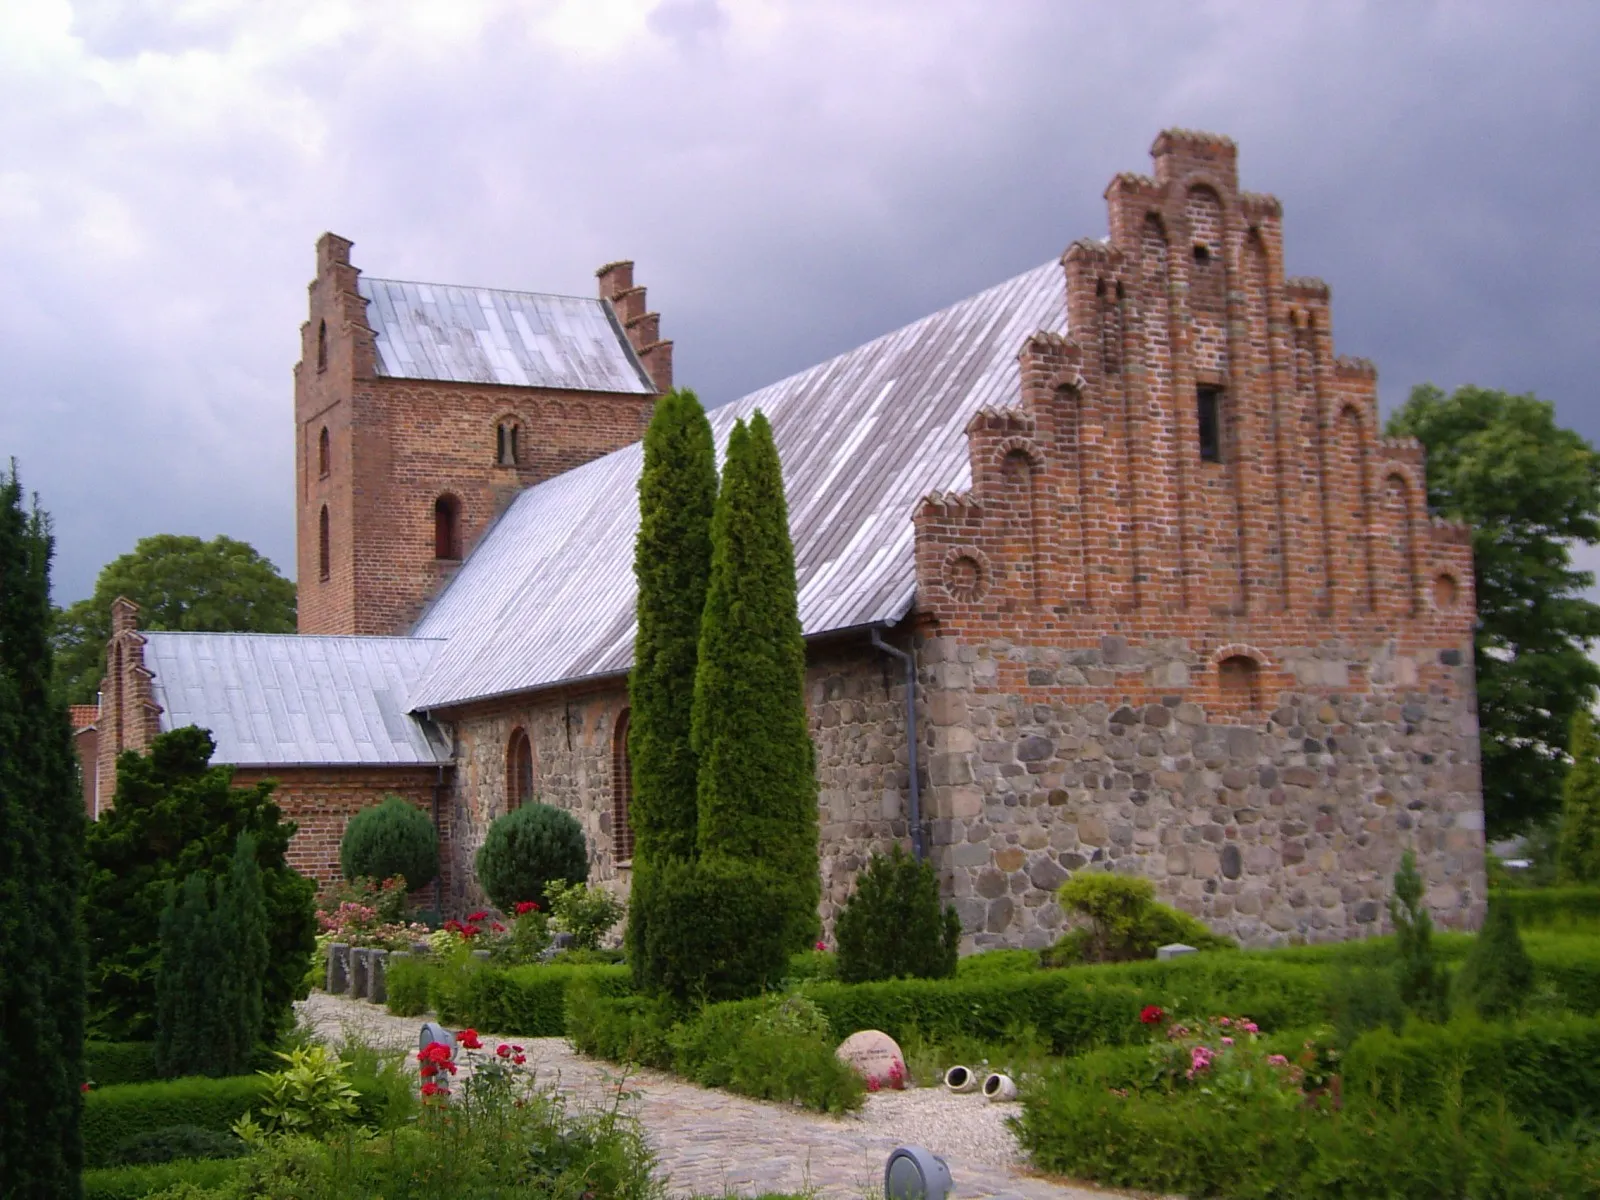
x=83, y=716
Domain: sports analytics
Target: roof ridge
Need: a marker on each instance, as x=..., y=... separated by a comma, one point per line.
x=298, y=637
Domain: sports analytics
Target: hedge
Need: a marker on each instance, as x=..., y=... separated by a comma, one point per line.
x=1570, y=962
x=1547, y=1070
x=134, y=1183
x=1541, y=908
x=528, y=1001
x=108, y=1063
x=112, y=1115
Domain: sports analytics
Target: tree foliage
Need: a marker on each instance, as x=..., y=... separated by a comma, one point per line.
x=1423, y=982
x=175, y=814
x=672, y=563
x=179, y=583
x=893, y=926
x=1529, y=489
x=526, y=850
x=1578, y=850
x=41, y=867
x=1498, y=974
x=1121, y=920
x=757, y=781
x=393, y=837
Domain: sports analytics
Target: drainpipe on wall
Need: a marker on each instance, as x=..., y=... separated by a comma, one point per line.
x=438, y=833
x=911, y=737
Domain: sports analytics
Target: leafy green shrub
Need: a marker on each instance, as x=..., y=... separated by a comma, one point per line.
x=528, y=848
x=391, y=838
x=109, y=1063
x=718, y=929
x=998, y=962
x=1551, y=908
x=113, y=1115
x=1424, y=983
x=812, y=964
x=1546, y=1071
x=625, y=1029
x=176, y=1142
x=1124, y=922
x=892, y=925
x=1362, y=998
x=408, y=981
x=135, y=1183
x=175, y=814
x=1570, y=964
x=311, y=1095
x=1498, y=974
x=526, y=940
x=587, y=913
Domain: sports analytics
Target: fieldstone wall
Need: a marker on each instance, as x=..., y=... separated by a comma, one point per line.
x=1284, y=823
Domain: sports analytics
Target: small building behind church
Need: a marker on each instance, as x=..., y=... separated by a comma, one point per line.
x=1106, y=567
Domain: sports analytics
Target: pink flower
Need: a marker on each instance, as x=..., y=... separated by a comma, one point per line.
x=1227, y=1041
x=1251, y=1027
x=1224, y=1022
x=1277, y=1060
x=822, y=945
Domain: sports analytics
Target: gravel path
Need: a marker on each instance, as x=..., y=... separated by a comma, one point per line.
x=714, y=1143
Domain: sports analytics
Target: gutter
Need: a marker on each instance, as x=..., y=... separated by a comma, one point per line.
x=438, y=880
x=915, y=814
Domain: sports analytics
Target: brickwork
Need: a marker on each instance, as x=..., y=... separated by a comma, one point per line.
x=1188, y=657
x=130, y=717
x=394, y=447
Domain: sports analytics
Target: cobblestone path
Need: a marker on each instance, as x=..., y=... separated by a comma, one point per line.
x=711, y=1142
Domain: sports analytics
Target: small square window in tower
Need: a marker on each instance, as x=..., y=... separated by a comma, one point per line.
x=1208, y=411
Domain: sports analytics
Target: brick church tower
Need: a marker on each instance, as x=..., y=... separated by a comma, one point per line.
x=422, y=409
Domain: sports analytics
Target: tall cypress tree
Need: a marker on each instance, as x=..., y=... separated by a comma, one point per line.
x=41, y=869
x=757, y=785
x=672, y=562
x=187, y=1017
x=242, y=932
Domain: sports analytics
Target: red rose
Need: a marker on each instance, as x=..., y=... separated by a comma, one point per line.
x=481, y=915
x=498, y=928
x=433, y=1089
x=515, y=1049
x=520, y=1059
x=436, y=1053
x=84, y=1087
x=470, y=931
x=524, y=907
x=469, y=1039
x=1151, y=1015
x=503, y=1050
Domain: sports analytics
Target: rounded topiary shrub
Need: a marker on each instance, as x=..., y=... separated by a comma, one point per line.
x=389, y=839
x=893, y=925
x=529, y=848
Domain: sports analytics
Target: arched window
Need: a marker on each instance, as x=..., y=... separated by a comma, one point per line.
x=1240, y=678
x=507, y=448
x=322, y=453
x=519, y=769
x=323, y=555
x=322, y=345
x=447, y=527
x=621, y=792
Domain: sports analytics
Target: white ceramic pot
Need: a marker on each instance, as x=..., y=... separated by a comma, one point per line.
x=961, y=1079
x=999, y=1087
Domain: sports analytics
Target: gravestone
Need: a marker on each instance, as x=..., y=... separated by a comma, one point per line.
x=481, y=955
x=1175, y=950
x=378, y=976
x=338, y=968
x=420, y=948
x=875, y=1056
x=359, y=958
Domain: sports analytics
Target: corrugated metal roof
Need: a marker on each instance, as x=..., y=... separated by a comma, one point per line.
x=548, y=595
x=480, y=335
x=287, y=699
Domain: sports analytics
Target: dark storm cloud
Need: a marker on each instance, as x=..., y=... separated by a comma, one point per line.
x=791, y=179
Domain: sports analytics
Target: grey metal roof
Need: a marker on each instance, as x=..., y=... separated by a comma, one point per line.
x=480, y=335
x=548, y=594
x=288, y=699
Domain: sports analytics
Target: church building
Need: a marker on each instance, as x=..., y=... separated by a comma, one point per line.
x=1106, y=567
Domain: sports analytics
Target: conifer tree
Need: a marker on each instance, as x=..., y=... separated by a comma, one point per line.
x=41, y=869
x=242, y=934
x=1578, y=851
x=187, y=1000
x=1498, y=974
x=757, y=783
x=672, y=561
x=1423, y=982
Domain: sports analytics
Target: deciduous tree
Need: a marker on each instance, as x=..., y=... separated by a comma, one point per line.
x=1529, y=489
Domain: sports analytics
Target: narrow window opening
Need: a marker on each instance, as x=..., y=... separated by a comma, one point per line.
x=1202, y=253
x=621, y=792
x=501, y=452
x=322, y=453
x=519, y=770
x=446, y=528
x=1209, y=414
x=516, y=455
x=322, y=345
x=323, y=555
x=1240, y=678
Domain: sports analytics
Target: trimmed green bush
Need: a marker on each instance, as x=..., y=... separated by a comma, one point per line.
x=408, y=981
x=176, y=1142
x=114, y=1115
x=526, y=1001
x=108, y=1063
x=526, y=849
x=1570, y=963
x=1551, y=908
x=135, y=1183
x=892, y=926
x=390, y=838
x=757, y=778
x=1545, y=1070
x=1122, y=921
x=998, y=962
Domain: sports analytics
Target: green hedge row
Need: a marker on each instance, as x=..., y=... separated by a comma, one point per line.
x=1538, y=908
x=1547, y=1071
x=525, y=1001
x=134, y=1183
x=108, y=1063
x=112, y=1115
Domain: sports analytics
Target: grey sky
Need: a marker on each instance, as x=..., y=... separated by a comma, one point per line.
x=791, y=178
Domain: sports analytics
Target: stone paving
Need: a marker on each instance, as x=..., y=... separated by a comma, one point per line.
x=714, y=1143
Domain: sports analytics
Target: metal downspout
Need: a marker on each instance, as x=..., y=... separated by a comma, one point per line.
x=438, y=833
x=911, y=737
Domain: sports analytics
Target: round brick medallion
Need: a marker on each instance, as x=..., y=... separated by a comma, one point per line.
x=966, y=573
